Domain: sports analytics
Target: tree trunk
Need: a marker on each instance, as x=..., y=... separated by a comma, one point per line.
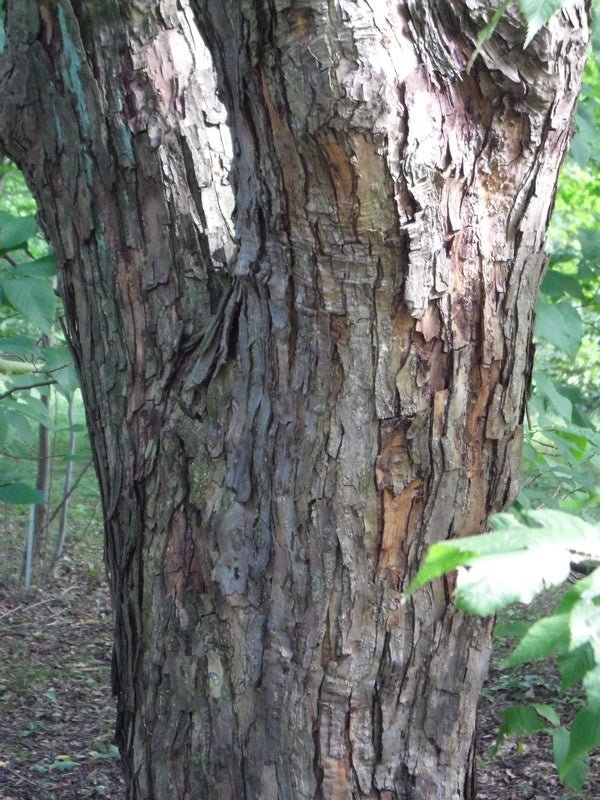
x=298, y=381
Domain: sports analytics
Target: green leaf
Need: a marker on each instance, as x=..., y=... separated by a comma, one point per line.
x=487, y=32
x=574, y=664
x=37, y=411
x=562, y=256
x=556, y=285
x=40, y=268
x=562, y=405
x=19, y=346
x=585, y=734
x=63, y=764
x=493, y=582
x=19, y=423
x=32, y=297
x=112, y=752
x=577, y=444
x=591, y=682
x=589, y=241
x=537, y=13
x=442, y=557
x=572, y=773
x=15, y=231
x=585, y=626
x=25, y=381
x=547, y=712
x=521, y=721
x=584, y=141
x=559, y=324
x=60, y=364
x=576, y=534
x=514, y=563
x=19, y=494
x=541, y=639
x=77, y=428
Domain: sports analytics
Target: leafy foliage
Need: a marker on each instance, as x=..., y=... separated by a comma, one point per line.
x=520, y=558
x=537, y=13
x=27, y=311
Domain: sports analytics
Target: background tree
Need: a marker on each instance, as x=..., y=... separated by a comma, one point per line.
x=296, y=383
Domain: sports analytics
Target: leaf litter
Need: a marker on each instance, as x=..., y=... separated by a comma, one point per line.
x=57, y=713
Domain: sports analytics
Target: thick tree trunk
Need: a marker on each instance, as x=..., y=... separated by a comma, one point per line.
x=289, y=403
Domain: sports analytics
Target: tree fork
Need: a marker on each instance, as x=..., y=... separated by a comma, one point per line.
x=295, y=383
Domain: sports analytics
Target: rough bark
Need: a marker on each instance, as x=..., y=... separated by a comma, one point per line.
x=290, y=399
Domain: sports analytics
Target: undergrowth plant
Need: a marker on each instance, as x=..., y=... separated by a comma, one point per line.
x=35, y=365
x=523, y=555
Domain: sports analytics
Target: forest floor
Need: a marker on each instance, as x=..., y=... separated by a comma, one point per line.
x=57, y=713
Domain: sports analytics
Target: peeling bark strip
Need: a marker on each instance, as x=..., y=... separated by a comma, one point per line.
x=299, y=249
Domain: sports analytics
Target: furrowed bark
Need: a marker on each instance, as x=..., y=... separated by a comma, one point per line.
x=290, y=402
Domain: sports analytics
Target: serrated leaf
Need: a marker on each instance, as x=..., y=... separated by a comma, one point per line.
x=574, y=664
x=577, y=443
x=588, y=588
x=15, y=231
x=494, y=582
x=558, y=527
x=591, y=682
x=32, y=297
x=111, y=752
x=33, y=408
x=572, y=773
x=542, y=638
x=19, y=494
x=537, y=13
x=584, y=141
x=78, y=427
x=562, y=256
x=512, y=564
x=585, y=626
x=580, y=149
x=584, y=735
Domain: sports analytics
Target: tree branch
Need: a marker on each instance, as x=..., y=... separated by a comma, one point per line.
x=14, y=389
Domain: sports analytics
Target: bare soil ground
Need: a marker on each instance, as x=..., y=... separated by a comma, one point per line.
x=57, y=713
x=524, y=770
x=56, y=709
